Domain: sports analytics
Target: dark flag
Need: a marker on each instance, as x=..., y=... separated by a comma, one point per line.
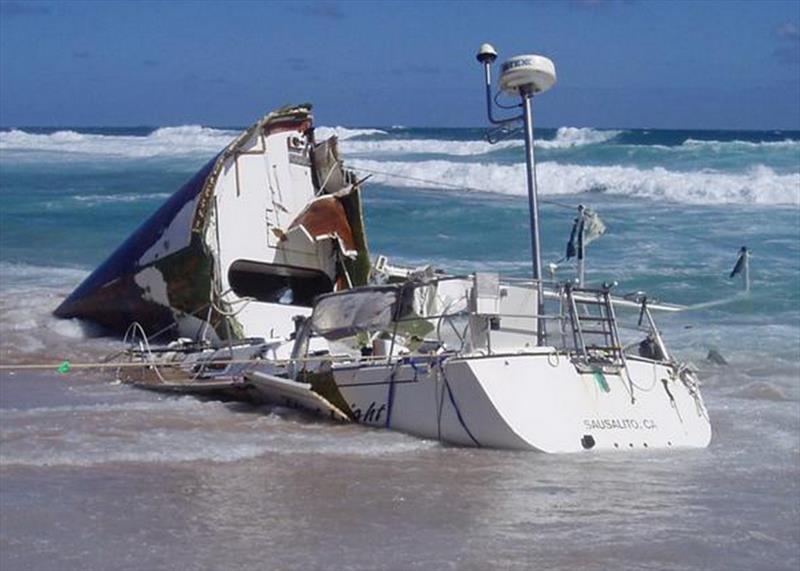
x=739, y=267
x=588, y=227
x=572, y=245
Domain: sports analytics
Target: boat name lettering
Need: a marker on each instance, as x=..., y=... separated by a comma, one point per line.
x=372, y=414
x=619, y=424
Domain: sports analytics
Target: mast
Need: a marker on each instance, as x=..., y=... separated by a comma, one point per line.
x=533, y=214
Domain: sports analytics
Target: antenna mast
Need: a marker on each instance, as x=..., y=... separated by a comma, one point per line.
x=525, y=76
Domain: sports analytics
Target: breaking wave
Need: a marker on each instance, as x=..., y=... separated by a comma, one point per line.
x=425, y=146
x=577, y=137
x=166, y=141
x=733, y=145
x=190, y=140
x=28, y=329
x=566, y=137
x=345, y=133
x=94, y=199
x=19, y=276
x=90, y=448
x=759, y=185
x=177, y=429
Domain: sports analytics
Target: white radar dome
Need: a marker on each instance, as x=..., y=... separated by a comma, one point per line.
x=527, y=73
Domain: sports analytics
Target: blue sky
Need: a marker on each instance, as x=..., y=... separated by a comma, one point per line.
x=621, y=63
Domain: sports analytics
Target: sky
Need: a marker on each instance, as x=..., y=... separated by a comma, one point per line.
x=702, y=64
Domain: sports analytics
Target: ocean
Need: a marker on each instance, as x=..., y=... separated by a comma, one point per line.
x=95, y=475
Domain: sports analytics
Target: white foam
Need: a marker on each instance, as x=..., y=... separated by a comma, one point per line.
x=94, y=199
x=28, y=296
x=567, y=137
x=759, y=185
x=179, y=430
x=185, y=140
x=20, y=276
x=79, y=448
x=344, y=133
x=159, y=405
x=167, y=141
x=28, y=329
x=82, y=448
x=729, y=145
x=425, y=146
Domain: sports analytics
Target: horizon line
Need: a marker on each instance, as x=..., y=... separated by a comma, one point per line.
x=396, y=127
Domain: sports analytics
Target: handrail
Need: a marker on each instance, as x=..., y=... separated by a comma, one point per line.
x=570, y=299
x=552, y=290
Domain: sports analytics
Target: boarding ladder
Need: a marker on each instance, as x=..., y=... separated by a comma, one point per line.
x=594, y=333
x=594, y=326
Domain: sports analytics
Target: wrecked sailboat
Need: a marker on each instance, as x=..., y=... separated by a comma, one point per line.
x=267, y=242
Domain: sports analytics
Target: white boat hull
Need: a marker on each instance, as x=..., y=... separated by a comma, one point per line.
x=538, y=400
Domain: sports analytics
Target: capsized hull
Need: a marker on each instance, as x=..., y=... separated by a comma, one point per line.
x=536, y=401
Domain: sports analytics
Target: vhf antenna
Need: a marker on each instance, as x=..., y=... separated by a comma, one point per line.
x=524, y=76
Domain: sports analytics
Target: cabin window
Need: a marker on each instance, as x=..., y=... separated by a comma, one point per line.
x=287, y=285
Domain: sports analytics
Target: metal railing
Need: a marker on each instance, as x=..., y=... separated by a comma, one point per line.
x=587, y=336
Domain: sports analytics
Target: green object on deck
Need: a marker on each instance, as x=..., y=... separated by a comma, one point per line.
x=601, y=380
x=63, y=369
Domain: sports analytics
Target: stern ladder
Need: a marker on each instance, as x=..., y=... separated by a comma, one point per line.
x=594, y=330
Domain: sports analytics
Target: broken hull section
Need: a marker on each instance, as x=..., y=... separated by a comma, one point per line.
x=241, y=248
